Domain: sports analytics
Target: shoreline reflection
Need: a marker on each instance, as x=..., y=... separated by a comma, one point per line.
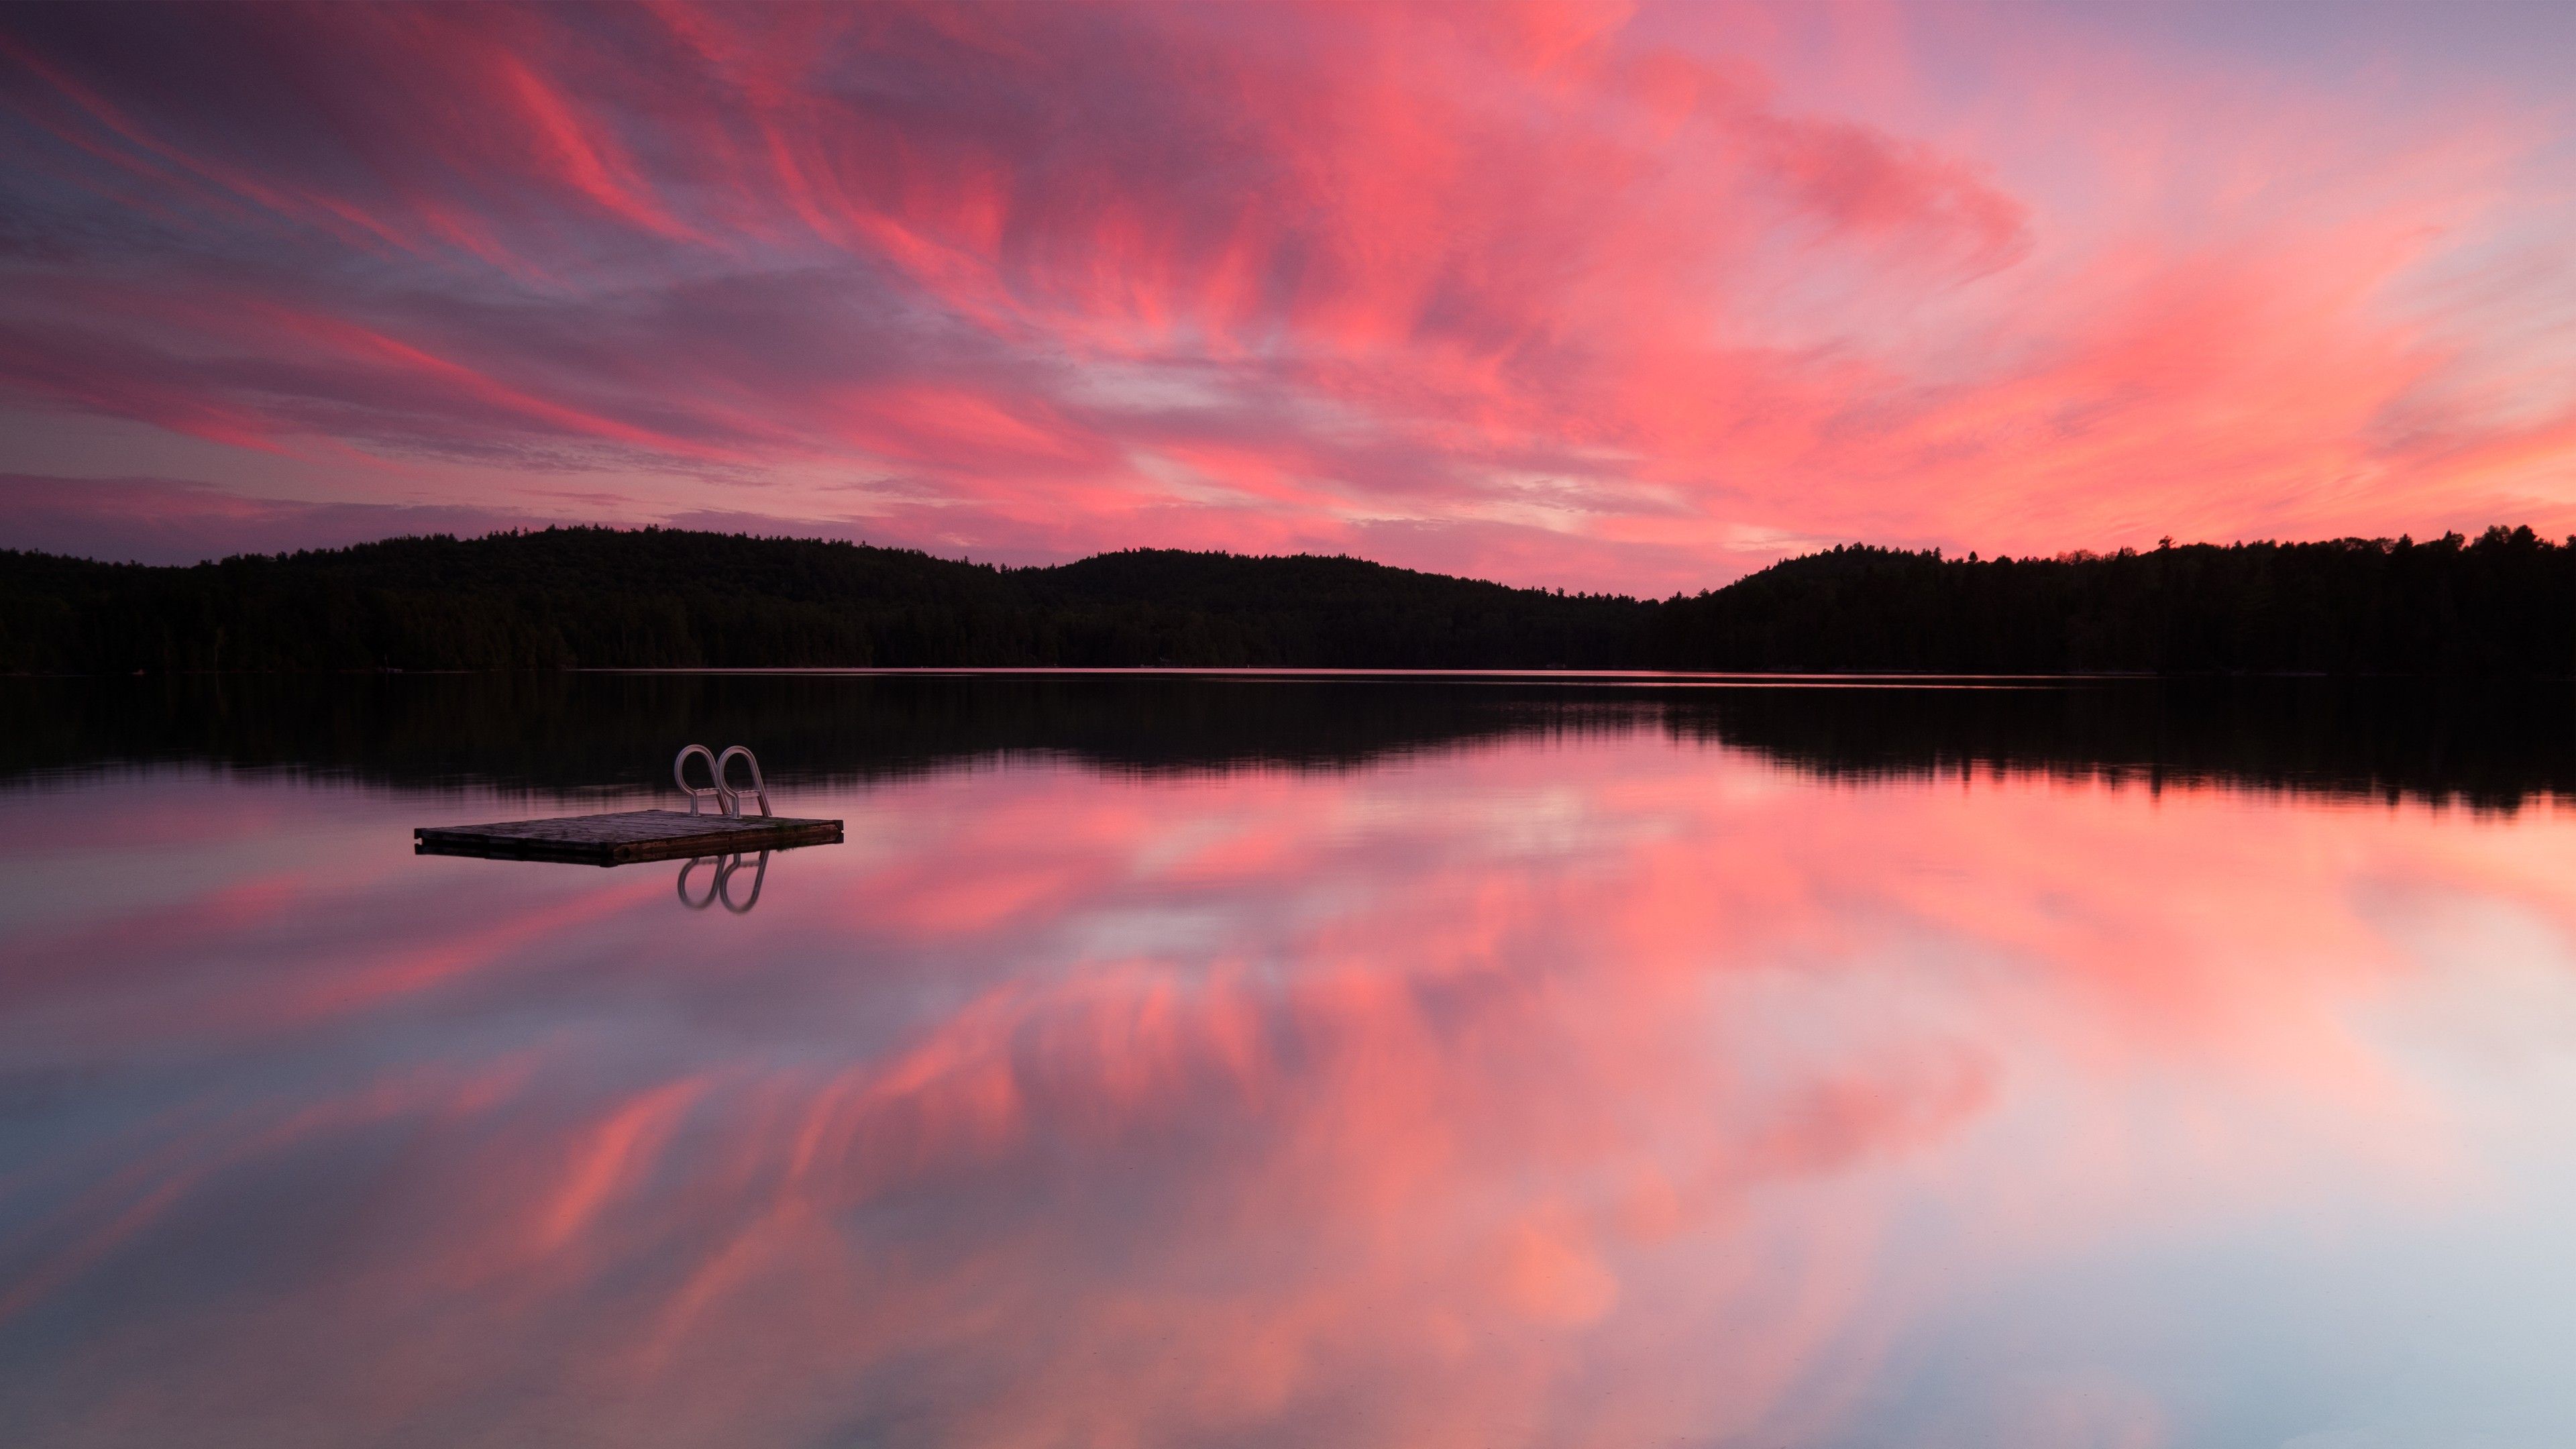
x=2491, y=746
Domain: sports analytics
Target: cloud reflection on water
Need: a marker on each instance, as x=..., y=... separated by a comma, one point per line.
x=1564, y=1090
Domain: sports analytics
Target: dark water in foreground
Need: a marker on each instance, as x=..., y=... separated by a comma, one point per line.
x=1206, y=1062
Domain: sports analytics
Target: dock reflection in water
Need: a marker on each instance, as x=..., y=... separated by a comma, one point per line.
x=719, y=883
x=1348, y=1064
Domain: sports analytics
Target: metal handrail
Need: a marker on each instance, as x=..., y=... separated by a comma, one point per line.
x=759, y=788
x=727, y=799
x=680, y=776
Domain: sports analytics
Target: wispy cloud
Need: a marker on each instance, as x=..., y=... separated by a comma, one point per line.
x=1560, y=292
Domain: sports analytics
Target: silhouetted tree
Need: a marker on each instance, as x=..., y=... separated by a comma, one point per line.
x=2504, y=605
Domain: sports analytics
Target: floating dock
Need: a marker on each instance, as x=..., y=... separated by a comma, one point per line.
x=623, y=837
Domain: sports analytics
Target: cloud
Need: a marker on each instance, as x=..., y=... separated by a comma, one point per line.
x=160, y=521
x=1616, y=291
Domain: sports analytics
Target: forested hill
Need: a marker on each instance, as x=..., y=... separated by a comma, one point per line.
x=2504, y=604
x=596, y=597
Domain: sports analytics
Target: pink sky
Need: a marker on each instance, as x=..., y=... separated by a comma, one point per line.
x=1586, y=295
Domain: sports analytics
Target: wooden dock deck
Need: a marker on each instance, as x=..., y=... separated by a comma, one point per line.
x=623, y=837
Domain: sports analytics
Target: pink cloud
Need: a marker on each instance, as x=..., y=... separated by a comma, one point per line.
x=1574, y=295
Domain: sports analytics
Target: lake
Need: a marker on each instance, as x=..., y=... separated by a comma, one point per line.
x=1191, y=1060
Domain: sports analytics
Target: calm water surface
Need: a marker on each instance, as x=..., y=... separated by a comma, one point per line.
x=1201, y=1062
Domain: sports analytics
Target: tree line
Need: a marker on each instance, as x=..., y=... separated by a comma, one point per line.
x=2502, y=605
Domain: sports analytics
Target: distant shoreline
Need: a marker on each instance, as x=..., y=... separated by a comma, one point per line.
x=1642, y=678
x=2502, y=605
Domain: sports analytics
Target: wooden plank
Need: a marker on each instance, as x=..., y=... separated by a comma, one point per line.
x=623, y=836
